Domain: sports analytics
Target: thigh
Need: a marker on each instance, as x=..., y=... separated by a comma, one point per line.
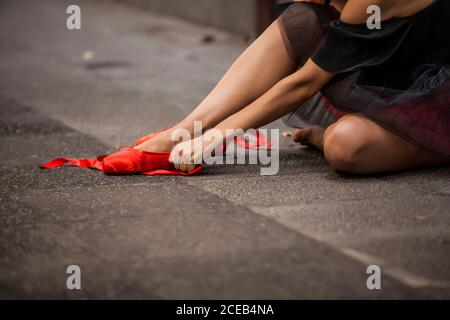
x=264, y=63
x=372, y=148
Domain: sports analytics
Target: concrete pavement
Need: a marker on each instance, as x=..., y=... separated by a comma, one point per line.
x=307, y=232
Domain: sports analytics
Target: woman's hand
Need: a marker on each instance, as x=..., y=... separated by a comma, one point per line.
x=188, y=154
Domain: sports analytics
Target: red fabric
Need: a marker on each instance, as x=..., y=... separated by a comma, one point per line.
x=260, y=141
x=82, y=163
x=337, y=113
x=131, y=161
x=127, y=161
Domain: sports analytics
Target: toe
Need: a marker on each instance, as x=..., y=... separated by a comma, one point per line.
x=297, y=136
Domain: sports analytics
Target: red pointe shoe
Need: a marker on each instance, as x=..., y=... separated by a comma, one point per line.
x=127, y=161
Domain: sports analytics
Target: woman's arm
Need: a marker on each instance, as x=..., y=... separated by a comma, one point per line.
x=287, y=95
x=295, y=89
x=284, y=97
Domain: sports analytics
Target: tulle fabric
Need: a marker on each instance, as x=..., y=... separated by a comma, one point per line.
x=303, y=26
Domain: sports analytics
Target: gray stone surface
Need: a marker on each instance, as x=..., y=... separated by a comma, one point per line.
x=236, y=16
x=307, y=232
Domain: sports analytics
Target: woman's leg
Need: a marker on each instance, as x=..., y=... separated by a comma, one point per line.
x=357, y=145
x=259, y=67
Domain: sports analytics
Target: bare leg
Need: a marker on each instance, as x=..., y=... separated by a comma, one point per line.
x=260, y=66
x=357, y=145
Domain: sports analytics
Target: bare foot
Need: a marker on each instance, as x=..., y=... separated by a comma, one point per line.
x=159, y=143
x=312, y=136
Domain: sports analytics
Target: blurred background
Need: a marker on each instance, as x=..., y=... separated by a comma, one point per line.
x=245, y=17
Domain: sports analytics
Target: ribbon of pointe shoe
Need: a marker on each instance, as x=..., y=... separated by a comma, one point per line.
x=258, y=141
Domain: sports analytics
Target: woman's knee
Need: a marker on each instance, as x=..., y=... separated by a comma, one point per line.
x=346, y=142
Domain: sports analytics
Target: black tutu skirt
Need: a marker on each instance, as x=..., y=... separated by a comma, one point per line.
x=398, y=76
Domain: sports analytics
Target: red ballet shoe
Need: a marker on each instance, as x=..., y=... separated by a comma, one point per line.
x=127, y=161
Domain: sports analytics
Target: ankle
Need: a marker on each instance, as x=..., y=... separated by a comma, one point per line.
x=191, y=125
x=166, y=137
